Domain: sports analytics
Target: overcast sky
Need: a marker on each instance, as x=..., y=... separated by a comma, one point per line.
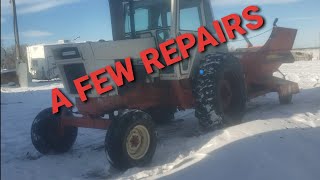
x=46, y=21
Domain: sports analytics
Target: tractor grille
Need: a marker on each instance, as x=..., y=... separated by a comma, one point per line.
x=72, y=72
x=66, y=53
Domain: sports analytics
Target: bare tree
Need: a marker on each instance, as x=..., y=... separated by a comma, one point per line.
x=8, y=56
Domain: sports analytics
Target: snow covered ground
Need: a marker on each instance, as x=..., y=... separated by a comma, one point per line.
x=273, y=142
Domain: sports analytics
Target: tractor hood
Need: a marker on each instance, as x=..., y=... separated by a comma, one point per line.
x=78, y=59
x=121, y=49
x=102, y=50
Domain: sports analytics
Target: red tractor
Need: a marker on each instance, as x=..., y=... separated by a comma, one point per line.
x=216, y=83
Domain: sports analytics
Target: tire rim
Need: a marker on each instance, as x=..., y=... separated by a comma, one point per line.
x=138, y=142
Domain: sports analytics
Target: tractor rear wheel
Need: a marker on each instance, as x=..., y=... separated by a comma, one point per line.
x=45, y=133
x=220, y=91
x=131, y=140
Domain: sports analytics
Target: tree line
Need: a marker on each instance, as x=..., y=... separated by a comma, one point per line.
x=8, y=55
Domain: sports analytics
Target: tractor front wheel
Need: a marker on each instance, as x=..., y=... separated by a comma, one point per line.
x=131, y=140
x=46, y=135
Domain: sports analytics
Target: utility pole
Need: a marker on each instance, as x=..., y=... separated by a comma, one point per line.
x=16, y=31
x=21, y=66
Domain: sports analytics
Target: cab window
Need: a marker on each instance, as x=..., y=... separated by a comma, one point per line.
x=148, y=15
x=190, y=15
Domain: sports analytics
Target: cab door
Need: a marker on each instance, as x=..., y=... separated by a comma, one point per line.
x=190, y=17
x=186, y=17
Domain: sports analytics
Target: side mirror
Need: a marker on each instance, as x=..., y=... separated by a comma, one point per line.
x=275, y=22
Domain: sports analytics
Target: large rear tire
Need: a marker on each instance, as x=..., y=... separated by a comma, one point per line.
x=220, y=91
x=131, y=140
x=45, y=134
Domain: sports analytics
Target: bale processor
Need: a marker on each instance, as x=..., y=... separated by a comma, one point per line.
x=216, y=83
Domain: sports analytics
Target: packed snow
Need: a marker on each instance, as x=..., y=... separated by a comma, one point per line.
x=273, y=141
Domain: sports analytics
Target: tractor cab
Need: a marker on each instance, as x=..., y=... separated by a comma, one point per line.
x=162, y=20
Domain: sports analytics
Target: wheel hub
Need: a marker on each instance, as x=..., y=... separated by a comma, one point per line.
x=138, y=142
